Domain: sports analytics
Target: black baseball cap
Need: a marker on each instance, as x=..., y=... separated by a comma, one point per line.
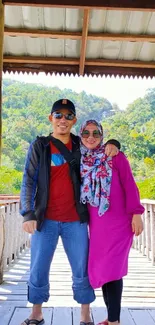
x=63, y=103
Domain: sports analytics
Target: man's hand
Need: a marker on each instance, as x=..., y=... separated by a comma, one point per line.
x=137, y=224
x=111, y=150
x=30, y=226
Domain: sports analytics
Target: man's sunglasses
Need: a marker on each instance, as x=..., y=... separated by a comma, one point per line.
x=68, y=116
x=86, y=134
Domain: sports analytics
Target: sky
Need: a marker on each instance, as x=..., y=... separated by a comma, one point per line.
x=122, y=91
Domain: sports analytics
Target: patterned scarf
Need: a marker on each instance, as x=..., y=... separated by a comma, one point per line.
x=96, y=173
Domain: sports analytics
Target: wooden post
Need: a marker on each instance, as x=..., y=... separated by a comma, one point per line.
x=2, y=240
x=1, y=68
x=152, y=226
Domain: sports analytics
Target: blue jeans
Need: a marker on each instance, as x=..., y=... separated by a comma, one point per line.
x=74, y=237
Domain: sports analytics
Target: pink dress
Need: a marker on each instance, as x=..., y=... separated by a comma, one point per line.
x=111, y=234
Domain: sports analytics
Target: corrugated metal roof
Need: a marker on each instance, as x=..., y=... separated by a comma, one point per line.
x=106, y=21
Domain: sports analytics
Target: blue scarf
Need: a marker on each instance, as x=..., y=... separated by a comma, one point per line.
x=96, y=173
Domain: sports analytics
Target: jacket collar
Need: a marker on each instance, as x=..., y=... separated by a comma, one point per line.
x=46, y=140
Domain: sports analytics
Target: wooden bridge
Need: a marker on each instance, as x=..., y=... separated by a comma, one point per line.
x=139, y=286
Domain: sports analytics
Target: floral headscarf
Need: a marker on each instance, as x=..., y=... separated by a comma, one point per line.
x=96, y=173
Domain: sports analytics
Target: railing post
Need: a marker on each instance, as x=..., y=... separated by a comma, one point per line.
x=146, y=225
x=2, y=241
x=152, y=231
x=146, y=241
x=143, y=236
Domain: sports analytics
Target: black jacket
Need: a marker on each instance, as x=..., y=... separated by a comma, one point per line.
x=35, y=184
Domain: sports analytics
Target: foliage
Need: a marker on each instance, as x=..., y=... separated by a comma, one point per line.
x=25, y=115
x=10, y=181
x=147, y=188
x=26, y=108
x=135, y=129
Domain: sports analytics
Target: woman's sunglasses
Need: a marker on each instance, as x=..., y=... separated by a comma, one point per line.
x=68, y=116
x=86, y=134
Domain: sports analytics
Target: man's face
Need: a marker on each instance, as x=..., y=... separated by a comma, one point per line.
x=61, y=126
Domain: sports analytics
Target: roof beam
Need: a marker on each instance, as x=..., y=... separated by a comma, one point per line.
x=121, y=37
x=39, y=60
x=78, y=35
x=121, y=63
x=84, y=41
x=41, y=33
x=88, y=4
x=73, y=61
x=73, y=70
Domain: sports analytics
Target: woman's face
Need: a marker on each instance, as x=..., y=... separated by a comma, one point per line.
x=91, y=136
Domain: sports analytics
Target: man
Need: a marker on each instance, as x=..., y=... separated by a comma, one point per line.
x=51, y=208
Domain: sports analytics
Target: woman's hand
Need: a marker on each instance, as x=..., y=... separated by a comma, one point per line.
x=137, y=224
x=111, y=150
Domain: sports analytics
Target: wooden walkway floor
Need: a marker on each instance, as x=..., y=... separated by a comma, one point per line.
x=138, y=296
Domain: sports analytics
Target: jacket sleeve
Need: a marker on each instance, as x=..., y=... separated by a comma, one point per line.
x=29, y=183
x=132, y=197
x=114, y=142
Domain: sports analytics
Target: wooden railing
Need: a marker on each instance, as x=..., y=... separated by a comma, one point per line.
x=12, y=239
x=145, y=243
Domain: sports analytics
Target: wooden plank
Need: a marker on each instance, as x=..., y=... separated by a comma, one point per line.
x=5, y=314
x=107, y=4
x=56, y=276
x=72, y=61
x=120, y=63
x=121, y=37
x=42, y=33
x=74, y=70
x=76, y=316
x=135, y=290
x=146, y=230
x=66, y=290
x=63, y=291
x=111, y=71
x=99, y=314
x=62, y=315
x=141, y=317
x=54, y=302
x=2, y=241
x=8, y=197
x=152, y=313
x=84, y=41
x=152, y=232
x=22, y=313
x=39, y=60
x=69, y=302
x=126, y=318
x=5, y=202
x=8, y=31
x=135, y=287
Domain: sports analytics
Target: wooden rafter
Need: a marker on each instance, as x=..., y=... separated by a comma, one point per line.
x=84, y=42
x=41, y=33
x=74, y=69
x=88, y=4
x=39, y=60
x=121, y=63
x=72, y=61
x=121, y=37
x=78, y=35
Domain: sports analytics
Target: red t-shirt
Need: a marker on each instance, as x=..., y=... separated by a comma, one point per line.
x=61, y=203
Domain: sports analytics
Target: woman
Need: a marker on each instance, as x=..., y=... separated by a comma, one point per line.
x=109, y=189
